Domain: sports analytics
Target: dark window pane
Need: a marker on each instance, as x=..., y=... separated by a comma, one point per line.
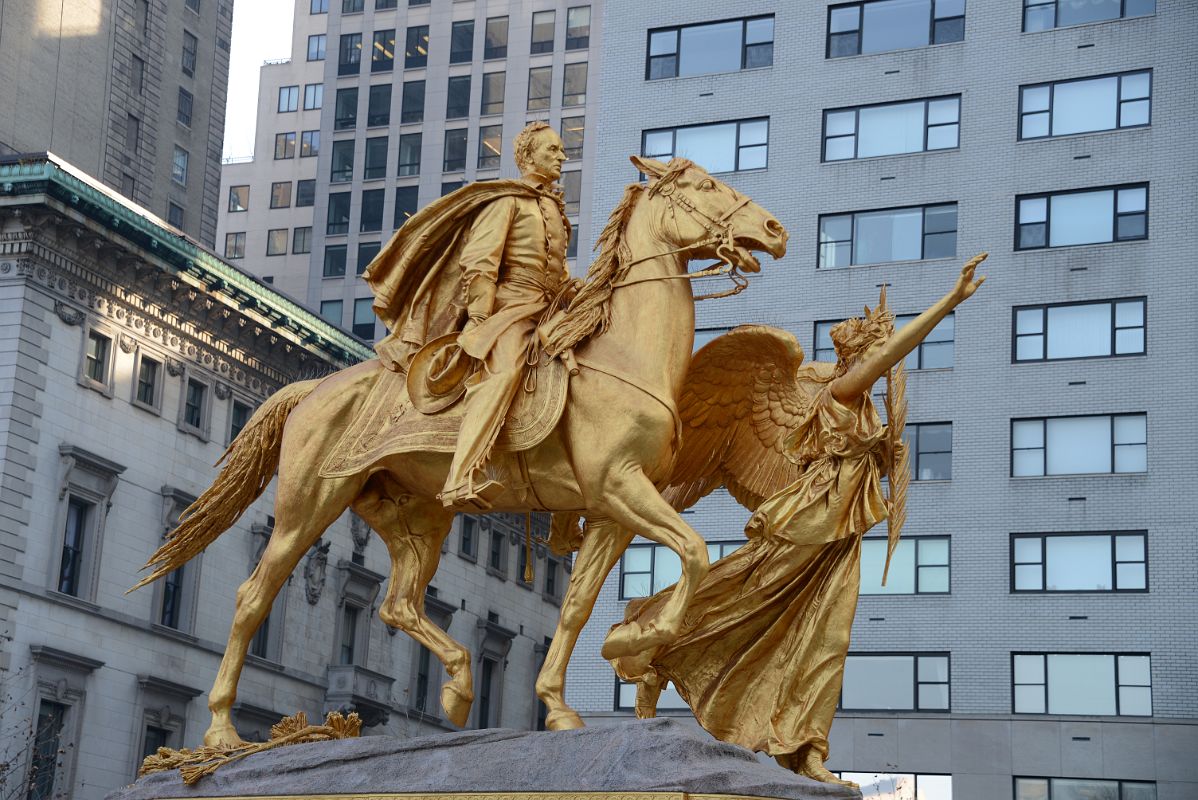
x=405, y=203
x=461, y=42
x=345, y=114
x=455, y=150
x=1033, y=235
x=378, y=108
x=342, y=161
x=940, y=245
x=949, y=30
x=409, y=154
x=412, y=104
x=1131, y=226
x=305, y=193
x=844, y=44
x=416, y=47
x=376, y=158
x=1079, y=12
x=382, y=54
x=457, y=104
x=334, y=261
x=496, y=38
x=338, y=219
x=366, y=253
x=372, y=210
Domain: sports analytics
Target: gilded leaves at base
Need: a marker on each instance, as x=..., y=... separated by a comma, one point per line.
x=195, y=764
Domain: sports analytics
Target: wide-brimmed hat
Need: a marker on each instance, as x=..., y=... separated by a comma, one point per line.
x=437, y=375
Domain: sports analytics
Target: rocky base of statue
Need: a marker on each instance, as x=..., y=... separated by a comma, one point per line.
x=626, y=760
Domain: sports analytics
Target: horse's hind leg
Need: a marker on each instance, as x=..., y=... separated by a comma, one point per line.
x=300, y=519
x=601, y=549
x=413, y=529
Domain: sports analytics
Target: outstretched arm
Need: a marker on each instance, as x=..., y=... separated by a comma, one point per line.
x=874, y=365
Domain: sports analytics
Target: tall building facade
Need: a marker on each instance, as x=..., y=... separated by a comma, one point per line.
x=386, y=105
x=131, y=92
x=1036, y=637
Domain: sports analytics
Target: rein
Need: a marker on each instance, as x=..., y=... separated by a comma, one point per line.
x=719, y=233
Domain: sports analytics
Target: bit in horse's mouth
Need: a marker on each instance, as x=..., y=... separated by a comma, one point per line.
x=744, y=260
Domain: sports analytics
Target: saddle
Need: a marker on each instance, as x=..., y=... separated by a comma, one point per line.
x=389, y=424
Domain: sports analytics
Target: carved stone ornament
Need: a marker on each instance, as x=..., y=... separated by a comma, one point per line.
x=223, y=391
x=174, y=366
x=360, y=531
x=71, y=316
x=128, y=343
x=314, y=571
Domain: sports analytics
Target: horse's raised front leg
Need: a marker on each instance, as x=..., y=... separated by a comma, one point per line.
x=302, y=513
x=630, y=498
x=601, y=549
x=413, y=529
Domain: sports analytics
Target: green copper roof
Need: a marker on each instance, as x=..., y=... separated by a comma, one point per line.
x=45, y=173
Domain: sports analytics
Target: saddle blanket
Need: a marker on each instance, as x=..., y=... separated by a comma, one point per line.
x=388, y=423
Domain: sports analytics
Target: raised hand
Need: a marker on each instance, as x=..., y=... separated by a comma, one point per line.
x=966, y=284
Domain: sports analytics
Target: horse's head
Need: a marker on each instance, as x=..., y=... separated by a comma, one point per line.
x=703, y=212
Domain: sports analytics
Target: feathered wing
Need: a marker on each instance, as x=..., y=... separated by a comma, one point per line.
x=744, y=392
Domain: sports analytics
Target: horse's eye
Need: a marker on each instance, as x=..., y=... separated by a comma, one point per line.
x=707, y=185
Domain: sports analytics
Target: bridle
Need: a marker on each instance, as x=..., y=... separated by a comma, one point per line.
x=719, y=233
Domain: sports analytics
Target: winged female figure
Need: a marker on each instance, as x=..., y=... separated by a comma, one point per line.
x=761, y=654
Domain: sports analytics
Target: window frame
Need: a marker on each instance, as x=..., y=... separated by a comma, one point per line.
x=495, y=51
x=542, y=102
x=1044, y=308
x=856, y=134
x=309, y=144
x=576, y=99
x=371, y=150
x=1115, y=215
x=853, y=245
x=476, y=527
x=403, y=193
x=1043, y=563
x=454, y=166
x=174, y=501
x=90, y=479
x=142, y=354
x=190, y=54
x=204, y=430
x=379, y=95
x=457, y=107
x=1112, y=416
x=915, y=655
x=318, y=44
x=737, y=146
x=184, y=108
x=918, y=567
x=1119, y=103
x=104, y=330
x=277, y=198
x=539, y=46
x=932, y=20
x=412, y=36
x=489, y=160
x=288, y=142
x=413, y=116
x=1055, y=15
x=677, y=53
x=487, y=104
x=180, y=166
x=915, y=452
x=288, y=99
x=1048, y=781
x=382, y=60
x=458, y=55
x=305, y=193
x=345, y=121
x=272, y=237
x=349, y=54
x=238, y=242
x=408, y=169
x=1044, y=654
x=313, y=96
x=298, y=238
x=329, y=255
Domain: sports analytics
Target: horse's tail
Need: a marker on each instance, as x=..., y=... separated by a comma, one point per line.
x=249, y=464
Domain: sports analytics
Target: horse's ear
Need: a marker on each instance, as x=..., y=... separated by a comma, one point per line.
x=649, y=166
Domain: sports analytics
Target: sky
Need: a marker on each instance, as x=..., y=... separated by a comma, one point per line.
x=261, y=32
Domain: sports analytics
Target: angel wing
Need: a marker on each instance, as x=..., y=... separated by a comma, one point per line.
x=744, y=392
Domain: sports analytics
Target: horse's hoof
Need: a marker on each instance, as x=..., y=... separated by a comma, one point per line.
x=456, y=703
x=223, y=736
x=564, y=720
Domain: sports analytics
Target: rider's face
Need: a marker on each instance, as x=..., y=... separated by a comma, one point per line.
x=547, y=154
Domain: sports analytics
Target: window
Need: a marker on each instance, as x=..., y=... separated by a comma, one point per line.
x=338, y=218
x=372, y=210
x=494, y=84
x=284, y=145
x=705, y=335
x=409, y=154
x=97, y=358
x=668, y=700
x=882, y=25
x=495, y=42
x=578, y=28
x=721, y=147
x=572, y=190
x=383, y=5
x=552, y=590
x=920, y=565
x=382, y=54
x=235, y=245
x=936, y=350
x=319, y=7
x=84, y=493
x=128, y=186
x=646, y=569
x=1088, y=104
x=137, y=75
x=313, y=96
x=376, y=158
x=1041, y=15
x=572, y=245
x=1079, y=562
x=892, y=128
x=332, y=310
x=1093, y=684
x=468, y=538
x=352, y=6
x=573, y=131
x=305, y=193
x=179, y=165
x=1079, y=330
x=540, y=81
x=461, y=42
x=288, y=98
x=132, y=133
x=378, y=106
x=897, y=234
x=931, y=449
x=316, y=47
x=276, y=241
x=46, y=744
x=147, y=389
x=405, y=203
x=455, y=150
x=71, y=567
x=171, y=610
x=895, y=682
x=1068, y=788
x=347, y=649
x=190, y=45
x=574, y=87
x=366, y=253
x=364, y=318
x=184, y=107
x=416, y=47
x=301, y=240
x=334, y=261
x=174, y=214
x=490, y=146
x=1085, y=216
x=239, y=198
x=877, y=785
x=497, y=552
x=727, y=46
x=194, y=416
x=451, y=186
x=342, y=164
x=412, y=102
x=345, y=111
x=542, y=32
x=280, y=194
x=349, y=57
x=309, y=144
x=457, y=103
x=1099, y=444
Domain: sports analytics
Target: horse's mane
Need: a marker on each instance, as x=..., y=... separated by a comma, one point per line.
x=589, y=313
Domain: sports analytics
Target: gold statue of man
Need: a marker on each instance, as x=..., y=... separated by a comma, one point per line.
x=513, y=263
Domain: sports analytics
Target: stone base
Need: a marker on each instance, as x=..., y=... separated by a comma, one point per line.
x=657, y=759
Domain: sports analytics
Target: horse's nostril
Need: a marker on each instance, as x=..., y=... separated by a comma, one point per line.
x=774, y=228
